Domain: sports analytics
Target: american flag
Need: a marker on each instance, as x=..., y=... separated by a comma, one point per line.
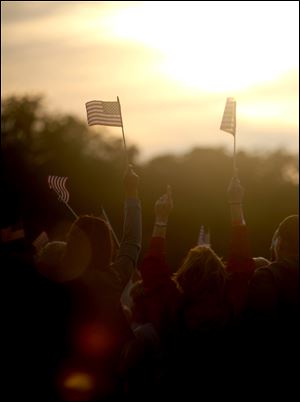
x=58, y=184
x=204, y=237
x=229, y=119
x=103, y=113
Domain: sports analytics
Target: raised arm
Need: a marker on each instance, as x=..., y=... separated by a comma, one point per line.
x=240, y=263
x=154, y=268
x=130, y=245
x=240, y=259
x=162, y=209
x=235, y=195
x=163, y=297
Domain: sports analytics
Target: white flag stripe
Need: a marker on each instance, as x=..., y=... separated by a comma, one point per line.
x=103, y=113
x=98, y=112
x=103, y=123
x=228, y=123
x=103, y=117
x=61, y=183
x=113, y=104
x=58, y=184
x=204, y=237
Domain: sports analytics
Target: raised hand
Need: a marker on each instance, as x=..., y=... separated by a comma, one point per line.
x=131, y=181
x=163, y=207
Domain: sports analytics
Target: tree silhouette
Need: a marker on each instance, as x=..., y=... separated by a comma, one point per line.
x=36, y=144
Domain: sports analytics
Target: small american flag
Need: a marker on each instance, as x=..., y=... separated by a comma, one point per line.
x=58, y=184
x=229, y=119
x=103, y=113
x=204, y=237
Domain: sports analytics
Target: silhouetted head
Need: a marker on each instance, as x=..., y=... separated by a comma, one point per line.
x=260, y=262
x=202, y=279
x=89, y=244
x=49, y=262
x=202, y=270
x=285, y=242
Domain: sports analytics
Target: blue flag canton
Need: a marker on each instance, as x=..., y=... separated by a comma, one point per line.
x=111, y=108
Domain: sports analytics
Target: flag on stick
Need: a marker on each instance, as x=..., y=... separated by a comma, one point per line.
x=103, y=113
x=229, y=125
x=58, y=184
x=106, y=114
x=229, y=117
x=204, y=237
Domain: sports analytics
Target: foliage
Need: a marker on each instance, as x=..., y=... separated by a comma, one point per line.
x=36, y=144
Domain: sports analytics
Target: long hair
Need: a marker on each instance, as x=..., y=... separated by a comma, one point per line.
x=89, y=244
x=202, y=270
x=202, y=280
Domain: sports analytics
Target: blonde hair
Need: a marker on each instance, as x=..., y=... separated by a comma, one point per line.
x=201, y=271
x=202, y=280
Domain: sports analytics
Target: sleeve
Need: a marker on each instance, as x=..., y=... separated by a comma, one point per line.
x=130, y=245
x=162, y=296
x=240, y=260
x=240, y=266
x=154, y=268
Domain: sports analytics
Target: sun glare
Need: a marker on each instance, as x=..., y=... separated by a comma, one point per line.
x=214, y=46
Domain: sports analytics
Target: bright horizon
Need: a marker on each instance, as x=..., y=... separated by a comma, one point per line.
x=172, y=64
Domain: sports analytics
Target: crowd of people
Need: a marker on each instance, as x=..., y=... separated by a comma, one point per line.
x=95, y=322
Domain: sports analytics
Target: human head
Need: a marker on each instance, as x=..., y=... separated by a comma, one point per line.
x=285, y=242
x=49, y=261
x=201, y=270
x=89, y=244
x=202, y=279
x=260, y=262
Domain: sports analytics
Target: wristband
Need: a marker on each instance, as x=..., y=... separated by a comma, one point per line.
x=235, y=203
x=160, y=224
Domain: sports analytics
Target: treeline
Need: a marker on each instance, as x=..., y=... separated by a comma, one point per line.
x=36, y=144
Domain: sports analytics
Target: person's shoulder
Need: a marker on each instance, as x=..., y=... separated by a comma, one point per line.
x=263, y=280
x=276, y=270
x=263, y=273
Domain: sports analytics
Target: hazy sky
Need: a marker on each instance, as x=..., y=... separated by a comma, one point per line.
x=172, y=64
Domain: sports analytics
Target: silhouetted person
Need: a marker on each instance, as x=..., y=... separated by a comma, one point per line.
x=97, y=329
x=272, y=314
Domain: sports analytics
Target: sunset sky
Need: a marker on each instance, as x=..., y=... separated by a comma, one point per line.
x=172, y=64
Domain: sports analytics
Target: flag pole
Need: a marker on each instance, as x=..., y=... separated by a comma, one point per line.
x=234, y=144
x=111, y=228
x=66, y=204
x=127, y=161
x=234, y=156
